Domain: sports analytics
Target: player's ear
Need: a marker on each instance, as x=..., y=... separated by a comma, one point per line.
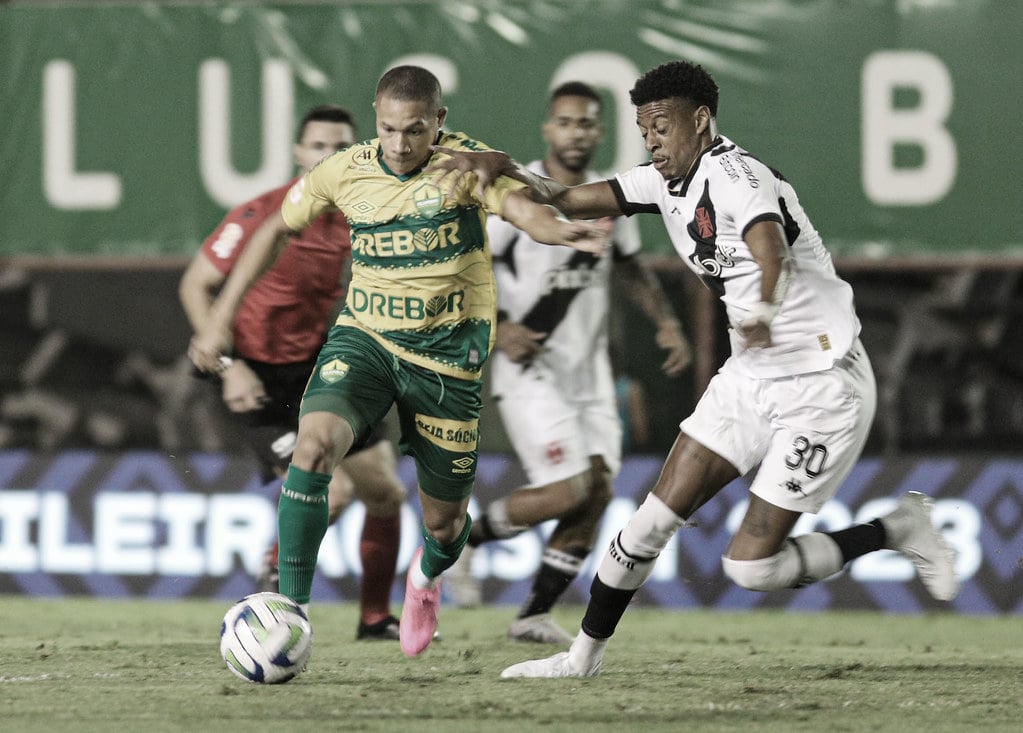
x=442, y=114
x=702, y=118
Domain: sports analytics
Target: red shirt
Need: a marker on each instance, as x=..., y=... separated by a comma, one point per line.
x=283, y=318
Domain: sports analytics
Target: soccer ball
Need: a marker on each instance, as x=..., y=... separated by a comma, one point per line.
x=266, y=638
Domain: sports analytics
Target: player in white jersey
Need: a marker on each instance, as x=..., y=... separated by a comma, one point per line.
x=551, y=373
x=796, y=397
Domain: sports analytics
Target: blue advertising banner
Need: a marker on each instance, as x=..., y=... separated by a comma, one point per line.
x=154, y=525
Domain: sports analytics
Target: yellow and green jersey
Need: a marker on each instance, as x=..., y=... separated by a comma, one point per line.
x=422, y=281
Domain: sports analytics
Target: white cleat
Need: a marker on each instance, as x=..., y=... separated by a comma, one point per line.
x=909, y=530
x=538, y=629
x=464, y=588
x=560, y=665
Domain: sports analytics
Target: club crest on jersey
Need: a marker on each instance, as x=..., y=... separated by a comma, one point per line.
x=704, y=223
x=428, y=199
x=555, y=453
x=334, y=371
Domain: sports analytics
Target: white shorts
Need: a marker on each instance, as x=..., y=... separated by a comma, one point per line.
x=806, y=432
x=553, y=437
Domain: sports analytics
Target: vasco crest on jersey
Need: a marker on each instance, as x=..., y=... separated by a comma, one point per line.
x=703, y=231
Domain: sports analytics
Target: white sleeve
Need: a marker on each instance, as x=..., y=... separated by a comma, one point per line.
x=755, y=199
x=625, y=238
x=501, y=235
x=641, y=187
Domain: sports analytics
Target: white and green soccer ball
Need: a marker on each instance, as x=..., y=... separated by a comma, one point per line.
x=266, y=638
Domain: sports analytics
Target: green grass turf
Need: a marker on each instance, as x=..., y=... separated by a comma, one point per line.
x=92, y=665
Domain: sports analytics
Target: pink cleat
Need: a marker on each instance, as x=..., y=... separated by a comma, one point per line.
x=418, y=615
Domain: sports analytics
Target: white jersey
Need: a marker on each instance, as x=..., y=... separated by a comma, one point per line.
x=706, y=215
x=561, y=292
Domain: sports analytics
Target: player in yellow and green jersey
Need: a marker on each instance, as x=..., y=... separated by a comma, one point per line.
x=416, y=329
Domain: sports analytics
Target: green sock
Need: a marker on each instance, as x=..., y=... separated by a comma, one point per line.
x=301, y=524
x=437, y=557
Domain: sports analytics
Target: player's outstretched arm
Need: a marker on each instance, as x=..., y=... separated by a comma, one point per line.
x=489, y=165
x=587, y=201
x=213, y=339
x=546, y=225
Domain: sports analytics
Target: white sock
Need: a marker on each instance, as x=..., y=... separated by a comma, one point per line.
x=585, y=650
x=419, y=579
x=630, y=558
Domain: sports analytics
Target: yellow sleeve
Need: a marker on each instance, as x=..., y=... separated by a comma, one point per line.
x=494, y=196
x=307, y=199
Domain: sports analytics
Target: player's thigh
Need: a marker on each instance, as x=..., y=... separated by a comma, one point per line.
x=354, y=378
x=820, y=424
x=728, y=420
x=546, y=432
x=439, y=418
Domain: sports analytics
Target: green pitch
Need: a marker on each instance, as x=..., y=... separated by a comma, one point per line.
x=89, y=665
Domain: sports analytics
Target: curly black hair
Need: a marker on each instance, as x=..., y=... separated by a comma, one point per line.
x=676, y=79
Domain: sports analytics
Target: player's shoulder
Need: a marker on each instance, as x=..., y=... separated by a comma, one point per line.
x=733, y=162
x=461, y=141
x=642, y=176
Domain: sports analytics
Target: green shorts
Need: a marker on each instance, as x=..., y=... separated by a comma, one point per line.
x=358, y=379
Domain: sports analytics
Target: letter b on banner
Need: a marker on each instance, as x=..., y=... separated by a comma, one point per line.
x=922, y=125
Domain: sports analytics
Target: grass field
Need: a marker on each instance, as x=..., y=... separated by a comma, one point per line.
x=91, y=665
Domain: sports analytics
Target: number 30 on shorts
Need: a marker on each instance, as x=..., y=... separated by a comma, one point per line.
x=812, y=457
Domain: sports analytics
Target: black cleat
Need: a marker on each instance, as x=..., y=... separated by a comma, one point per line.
x=384, y=630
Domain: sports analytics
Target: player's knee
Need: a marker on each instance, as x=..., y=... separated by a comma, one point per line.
x=312, y=451
x=339, y=495
x=322, y=439
x=376, y=480
x=770, y=573
x=382, y=496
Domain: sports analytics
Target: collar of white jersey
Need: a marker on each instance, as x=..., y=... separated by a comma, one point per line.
x=679, y=186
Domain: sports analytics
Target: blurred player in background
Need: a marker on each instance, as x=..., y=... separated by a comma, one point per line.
x=416, y=329
x=551, y=374
x=277, y=333
x=796, y=397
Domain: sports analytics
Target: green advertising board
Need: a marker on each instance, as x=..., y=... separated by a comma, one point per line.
x=129, y=129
